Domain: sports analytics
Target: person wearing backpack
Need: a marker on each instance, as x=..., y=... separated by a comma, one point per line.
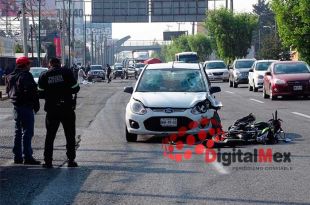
x=22, y=90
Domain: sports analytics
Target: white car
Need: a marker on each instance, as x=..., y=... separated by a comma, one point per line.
x=36, y=72
x=216, y=70
x=256, y=74
x=168, y=96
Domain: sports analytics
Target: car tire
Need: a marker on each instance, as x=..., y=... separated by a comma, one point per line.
x=235, y=84
x=271, y=96
x=230, y=83
x=250, y=87
x=130, y=137
x=122, y=76
x=265, y=94
x=126, y=76
x=255, y=89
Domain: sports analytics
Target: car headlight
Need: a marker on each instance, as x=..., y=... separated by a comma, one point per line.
x=279, y=82
x=137, y=108
x=201, y=107
x=237, y=73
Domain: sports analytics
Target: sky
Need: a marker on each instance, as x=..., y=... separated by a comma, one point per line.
x=151, y=31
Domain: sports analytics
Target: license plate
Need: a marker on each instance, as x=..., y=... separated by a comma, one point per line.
x=297, y=87
x=169, y=122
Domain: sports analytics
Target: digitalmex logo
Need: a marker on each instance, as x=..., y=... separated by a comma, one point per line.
x=181, y=147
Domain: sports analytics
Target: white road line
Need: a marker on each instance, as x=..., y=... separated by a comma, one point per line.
x=257, y=100
x=229, y=92
x=300, y=114
x=220, y=168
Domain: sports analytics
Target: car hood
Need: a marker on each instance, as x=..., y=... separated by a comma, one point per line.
x=220, y=70
x=261, y=72
x=243, y=70
x=293, y=77
x=169, y=99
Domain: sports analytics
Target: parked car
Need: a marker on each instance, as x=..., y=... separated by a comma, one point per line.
x=287, y=78
x=169, y=96
x=256, y=74
x=117, y=71
x=96, y=72
x=36, y=72
x=238, y=72
x=216, y=70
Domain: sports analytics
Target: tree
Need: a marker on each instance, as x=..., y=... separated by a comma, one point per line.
x=270, y=47
x=19, y=48
x=201, y=44
x=231, y=32
x=293, y=23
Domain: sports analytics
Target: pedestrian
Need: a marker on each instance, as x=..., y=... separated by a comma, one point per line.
x=22, y=90
x=59, y=88
x=109, y=70
x=81, y=75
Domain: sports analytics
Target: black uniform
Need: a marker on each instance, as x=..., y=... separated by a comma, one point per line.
x=58, y=86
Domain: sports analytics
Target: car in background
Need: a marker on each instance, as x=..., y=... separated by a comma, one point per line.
x=216, y=70
x=36, y=72
x=117, y=71
x=187, y=57
x=238, y=72
x=96, y=72
x=256, y=74
x=169, y=96
x=139, y=67
x=129, y=68
x=287, y=78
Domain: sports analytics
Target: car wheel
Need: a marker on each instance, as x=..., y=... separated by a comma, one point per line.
x=271, y=96
x=250, y=87
x=230, y=83
x=122, y=76
x=235, y=85
x=130, y=137
x=264, y=93
x=126, y=75
x=255, y=89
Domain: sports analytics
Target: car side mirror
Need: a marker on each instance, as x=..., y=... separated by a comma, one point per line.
x=128, y=89
x=215, y=90
x=251, y=70
x=268, y=73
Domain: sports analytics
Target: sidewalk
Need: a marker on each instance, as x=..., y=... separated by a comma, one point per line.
x=3, y=95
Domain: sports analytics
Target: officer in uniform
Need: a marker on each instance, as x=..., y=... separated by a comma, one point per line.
x=59, y=88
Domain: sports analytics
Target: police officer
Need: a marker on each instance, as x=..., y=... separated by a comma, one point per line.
x=22, y=90
x=109, y=70
x=58, y=87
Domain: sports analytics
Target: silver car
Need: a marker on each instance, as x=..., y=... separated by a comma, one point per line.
x=216, y=70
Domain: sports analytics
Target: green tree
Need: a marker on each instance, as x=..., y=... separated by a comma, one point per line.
x=270, y=47
x=293, y=23
x=231, y=32
x=201, y=44
x=19, y=48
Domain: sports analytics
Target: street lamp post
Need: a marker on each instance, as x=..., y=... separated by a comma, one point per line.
x=39, y=36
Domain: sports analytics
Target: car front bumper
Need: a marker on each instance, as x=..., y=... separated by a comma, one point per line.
x=144, y=122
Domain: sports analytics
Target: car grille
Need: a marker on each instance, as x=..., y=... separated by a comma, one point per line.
x=153, y=124
x=244, y=74
x=218, y=73
x=171, y=109
x=304, y=83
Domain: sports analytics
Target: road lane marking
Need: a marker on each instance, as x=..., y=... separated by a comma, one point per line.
x=300, y=114
x=220, y=168
x=257, y=101
x=229, y=92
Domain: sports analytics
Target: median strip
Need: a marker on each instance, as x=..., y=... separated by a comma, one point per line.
x=257, y=101
x=300, y=114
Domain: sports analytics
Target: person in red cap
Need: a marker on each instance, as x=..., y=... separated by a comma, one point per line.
x=22, y=90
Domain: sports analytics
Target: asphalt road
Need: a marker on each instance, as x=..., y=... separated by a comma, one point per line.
x=113, y=171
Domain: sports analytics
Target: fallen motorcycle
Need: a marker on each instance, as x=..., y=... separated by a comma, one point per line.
x=247, y=131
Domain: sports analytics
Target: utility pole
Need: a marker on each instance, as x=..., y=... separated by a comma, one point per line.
x=31, y=37
x=24, y=22
x=232, y=5
x=69, y=34
x=193, y=28
x=73, y=40
x=85, y=27
x=92, y=47
x=39, y=36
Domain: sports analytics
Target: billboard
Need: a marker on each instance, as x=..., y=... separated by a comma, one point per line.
x=178, y=10
x=169, y=35
x=120, y=11
x=9, y=8
x=48, y=7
